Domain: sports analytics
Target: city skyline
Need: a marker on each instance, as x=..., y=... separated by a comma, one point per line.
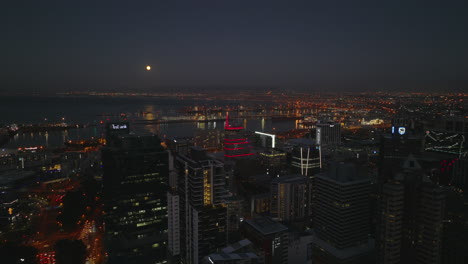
x=234, y=132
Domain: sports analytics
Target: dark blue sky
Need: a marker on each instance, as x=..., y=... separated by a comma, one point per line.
x=317, y=45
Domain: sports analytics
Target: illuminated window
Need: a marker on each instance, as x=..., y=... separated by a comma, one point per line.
x=207, y=188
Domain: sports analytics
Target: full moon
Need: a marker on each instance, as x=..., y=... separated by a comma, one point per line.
x=148, y=68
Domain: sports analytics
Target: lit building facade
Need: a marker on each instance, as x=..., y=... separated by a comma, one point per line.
x=203, y=214
x=328, y=133
x=305, y=156
x=290, y=198
x=236, y=144
x=134, y=187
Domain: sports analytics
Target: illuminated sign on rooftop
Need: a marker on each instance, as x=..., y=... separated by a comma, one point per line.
x=118, y=126
x=401, y=130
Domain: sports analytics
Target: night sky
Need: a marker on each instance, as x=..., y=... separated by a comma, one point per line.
x=316, y=45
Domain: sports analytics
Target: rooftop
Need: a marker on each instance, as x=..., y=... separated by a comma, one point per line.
x=301, y=142
x=236, y=246
x=344, y=173
x=232, y=256
x=266, y=225
x=8, y=177
x=346, y=252
x=290, y=178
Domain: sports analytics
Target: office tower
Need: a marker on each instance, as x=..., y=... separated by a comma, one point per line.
x=306, y=156
x=405, y=138
x=455, y=227
x=390, y=223
x=269, y=238
x=201, y=188
x=134, y=187
x=341, y=216
x=290, y=198
x=236, y=143
x=328, y=133
x=447, y=137
x=410, y=220
x=173, y=204
x=274, y=161
x=173, y=214
x=234, y=206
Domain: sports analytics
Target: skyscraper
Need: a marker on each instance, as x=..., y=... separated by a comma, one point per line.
x=236, y=143
x=201, y=190
x=269, y=238
x=305, y=156
x=173, y=214
x=328, y=133
x=455, y=232
x=405, y=139
x=290, y=198
x=134, y=185
x=411, y=214
x=342, y=216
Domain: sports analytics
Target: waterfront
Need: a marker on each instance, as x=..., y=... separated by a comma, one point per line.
x=97, y=111
x=57, y=138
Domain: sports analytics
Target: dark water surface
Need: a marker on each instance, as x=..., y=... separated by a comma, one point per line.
x=93, y=110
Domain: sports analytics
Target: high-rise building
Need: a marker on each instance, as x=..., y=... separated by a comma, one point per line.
x=341, y=216
x=235, y=211
x=328, y=133
x=269, y=238
x=290, y=198
x=201, y=191
x=236, y=143
x=391, y=223
x=405, y=139
x=173, y=214
x=411, y=214
x=274, y=161
x=173, y=228
x=455, y=230
x=306, y=156
x=134, y=186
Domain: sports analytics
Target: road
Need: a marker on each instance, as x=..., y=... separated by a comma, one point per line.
x=49, y=230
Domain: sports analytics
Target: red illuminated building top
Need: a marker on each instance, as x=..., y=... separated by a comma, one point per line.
x=235, y=143
x=228, y=126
